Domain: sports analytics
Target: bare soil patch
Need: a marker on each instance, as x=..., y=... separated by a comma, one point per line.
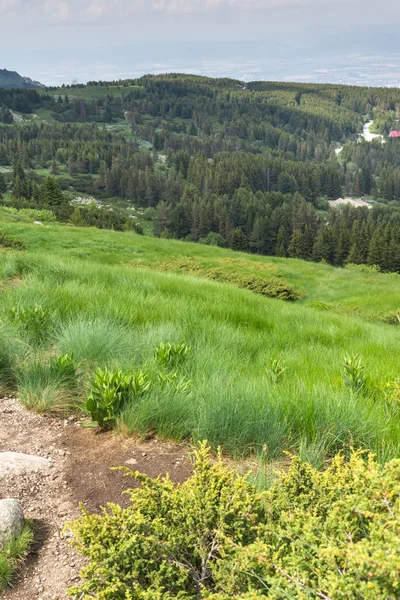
x=81, y=461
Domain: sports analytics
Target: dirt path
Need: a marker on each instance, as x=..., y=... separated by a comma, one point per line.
x=79, y=472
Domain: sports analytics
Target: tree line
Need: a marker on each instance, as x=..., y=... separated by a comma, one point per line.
x=250, y=166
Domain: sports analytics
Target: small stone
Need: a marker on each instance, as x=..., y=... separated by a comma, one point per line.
x=11, y=520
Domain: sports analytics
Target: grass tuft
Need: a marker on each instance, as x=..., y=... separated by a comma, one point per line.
x=13, y=554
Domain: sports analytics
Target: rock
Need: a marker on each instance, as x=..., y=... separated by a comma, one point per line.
x=11, y=520
x=16, y=464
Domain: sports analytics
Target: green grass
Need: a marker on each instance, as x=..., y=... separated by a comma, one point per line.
x=355, y=293
x=102, y=305
x=13, y=554
x=44, y=114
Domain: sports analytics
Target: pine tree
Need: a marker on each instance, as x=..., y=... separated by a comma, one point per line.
x=343, y=245
x=51, y=192
x=237, y=240
x=3, y=185
x=281, y=243
x=296, y=246
x=375, y=248
x=18, y=190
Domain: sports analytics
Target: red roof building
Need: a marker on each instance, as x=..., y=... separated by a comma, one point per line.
x=394, y=134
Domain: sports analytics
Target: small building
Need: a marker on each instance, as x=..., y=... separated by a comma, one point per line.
x=394, y=134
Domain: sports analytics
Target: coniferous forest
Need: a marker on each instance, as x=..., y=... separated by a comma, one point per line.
x=250, y=167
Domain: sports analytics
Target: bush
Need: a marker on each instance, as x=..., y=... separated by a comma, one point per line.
x=213, y=239
x=110, y=393
x=7, y=242
x=363, y=268
x=150, y=214
x=272, y=287
x=171, y=355
x=165, y=543
x=353, y=373
x=326, y=535
x=331, y=535
x=392, y=318
x=32, y=214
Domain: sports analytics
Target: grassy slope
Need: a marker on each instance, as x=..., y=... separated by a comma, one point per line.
x=110, y=313
x=321, y=283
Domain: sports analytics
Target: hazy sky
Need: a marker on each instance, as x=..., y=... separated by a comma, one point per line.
x=55, y=39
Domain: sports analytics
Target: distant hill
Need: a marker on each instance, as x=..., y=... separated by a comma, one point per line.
x=12, y=79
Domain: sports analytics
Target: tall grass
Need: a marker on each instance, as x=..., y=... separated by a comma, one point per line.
x=12, y=554
x=112, y=315
x=94, y=340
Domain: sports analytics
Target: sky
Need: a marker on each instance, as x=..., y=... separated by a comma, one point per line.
x=57, y=41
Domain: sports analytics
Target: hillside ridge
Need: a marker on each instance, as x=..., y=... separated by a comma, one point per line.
x=12, y=79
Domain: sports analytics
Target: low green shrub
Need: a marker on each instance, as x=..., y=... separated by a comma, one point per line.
x=32, y=214
x=13, y=554
x=320, y=305
x=271, y=285
x=332, y=535
x=171, y=356
x=392, y=318
x=165, y=543
x=353, y=373
x=363, y=268
x=110, y=392
x=13, y=243
x=176, y=382
x=213, y=239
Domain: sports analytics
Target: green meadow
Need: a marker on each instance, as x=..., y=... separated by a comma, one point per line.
x=263, y=376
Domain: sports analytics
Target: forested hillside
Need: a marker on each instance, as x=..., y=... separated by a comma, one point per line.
x=251, y=167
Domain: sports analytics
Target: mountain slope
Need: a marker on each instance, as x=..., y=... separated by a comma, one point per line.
x=12, y=79
x=261, y=375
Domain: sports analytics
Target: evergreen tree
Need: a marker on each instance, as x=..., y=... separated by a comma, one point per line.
x=3, y=185
x=52, y=195
x=281, y=243
x=375, y=248
x=237, y=240
x=296, y=247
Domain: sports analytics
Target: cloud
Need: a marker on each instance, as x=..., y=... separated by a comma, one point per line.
x=98, y=8
x=191, y=6
x=57, y=9
x=9, y=6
